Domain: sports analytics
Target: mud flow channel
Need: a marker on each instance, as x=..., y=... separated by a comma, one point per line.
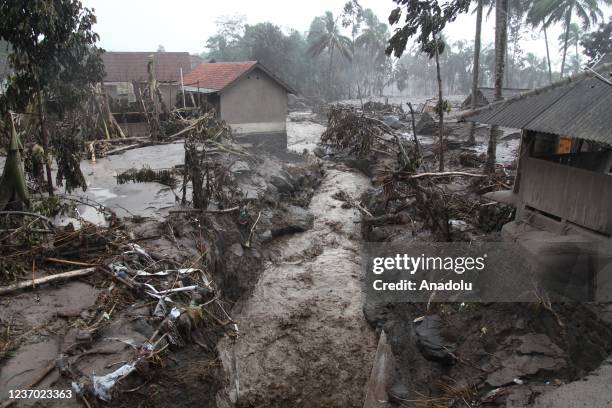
x=303, y=338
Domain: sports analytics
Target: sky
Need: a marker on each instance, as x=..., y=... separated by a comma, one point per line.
x=185, y=25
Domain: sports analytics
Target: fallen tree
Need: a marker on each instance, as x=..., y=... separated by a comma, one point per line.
x=354, y=133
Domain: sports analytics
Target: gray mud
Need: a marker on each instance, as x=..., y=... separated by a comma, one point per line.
x=304, y=340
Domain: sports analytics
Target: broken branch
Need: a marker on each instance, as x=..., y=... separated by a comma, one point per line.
x=47, y=279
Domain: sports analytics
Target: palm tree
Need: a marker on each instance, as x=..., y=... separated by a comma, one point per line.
x=373, y=40
x=573, y=39
x=501, y=28
x=331, y=40
x=476, y=69
x=548, y=12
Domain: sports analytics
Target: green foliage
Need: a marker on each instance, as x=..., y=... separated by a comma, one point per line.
x=13, y=189
x=68, y=145
x=598, y=42
x=444, y=106
x=424, y=20
x=53, y=51
x=146, y=175
x=53, y=58
x=548, y=12
x=51, y=206
x=330, y=39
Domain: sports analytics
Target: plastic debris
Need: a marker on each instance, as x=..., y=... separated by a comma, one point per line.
x=102, y=386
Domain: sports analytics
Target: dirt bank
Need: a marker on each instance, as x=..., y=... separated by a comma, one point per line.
x=304, y=340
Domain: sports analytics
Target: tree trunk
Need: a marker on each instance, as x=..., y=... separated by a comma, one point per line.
x=501, y=20
x=44, y=136
x=548, y=56
x=568, y=21
x=441, y=111
x=331, y=72
x=476, y=69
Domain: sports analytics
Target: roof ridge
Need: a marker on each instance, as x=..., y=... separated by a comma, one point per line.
x=564, y=81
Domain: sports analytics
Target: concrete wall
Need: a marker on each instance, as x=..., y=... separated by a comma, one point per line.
x=255, y=104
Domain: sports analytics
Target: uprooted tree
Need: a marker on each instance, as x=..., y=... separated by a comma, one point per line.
x=53, y=58
x=356, y=134
x=205, y=137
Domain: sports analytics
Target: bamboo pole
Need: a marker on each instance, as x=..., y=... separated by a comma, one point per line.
x=47, y=279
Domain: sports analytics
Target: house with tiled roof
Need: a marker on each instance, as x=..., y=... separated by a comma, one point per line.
x=127, y=71
x=248, y=96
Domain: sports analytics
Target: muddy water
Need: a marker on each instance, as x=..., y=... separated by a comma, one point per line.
x=144, y=199
x=304, y=340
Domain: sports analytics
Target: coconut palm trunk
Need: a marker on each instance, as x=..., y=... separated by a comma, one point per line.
x=476, y=69
x=440, y=110
x=45, y=141
x=548, y=56
x=501, y=22
x=568, y=22
x=331, y=72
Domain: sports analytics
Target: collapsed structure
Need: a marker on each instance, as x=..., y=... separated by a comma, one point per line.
x=563, y=187
x=127, y=76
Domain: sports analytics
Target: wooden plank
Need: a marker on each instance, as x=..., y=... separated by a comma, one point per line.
x=579, y=196
x=380, y=376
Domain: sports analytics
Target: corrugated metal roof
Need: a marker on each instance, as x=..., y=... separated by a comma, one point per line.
x=580, y=108
x=489, y=93
x=605, y=59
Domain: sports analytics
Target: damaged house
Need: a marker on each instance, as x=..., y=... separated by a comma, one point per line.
x=126, y=75
x=485, y=96
x=563, y=186
x=246, y=95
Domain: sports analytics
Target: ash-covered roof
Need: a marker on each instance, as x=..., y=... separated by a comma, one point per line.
x=220, y=75
x=605, y=59
x=132, y=66
x=577, y=107
x=489, y=93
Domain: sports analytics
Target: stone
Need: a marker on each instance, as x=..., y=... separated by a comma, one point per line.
x=426, y=125
x=431, y=341
x=393, y=122
x=237, y=250
x=290, y=219
x=517, y=366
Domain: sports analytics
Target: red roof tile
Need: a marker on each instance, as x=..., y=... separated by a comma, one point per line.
x=217, y=75
x=132, y=66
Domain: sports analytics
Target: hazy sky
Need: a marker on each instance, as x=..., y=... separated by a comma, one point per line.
x=184, y=25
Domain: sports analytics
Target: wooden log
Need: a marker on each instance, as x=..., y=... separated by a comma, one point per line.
x=446, y=174
x=47, y=279
x=381, y=376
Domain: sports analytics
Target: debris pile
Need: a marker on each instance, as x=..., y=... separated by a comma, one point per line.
x=185, y=300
